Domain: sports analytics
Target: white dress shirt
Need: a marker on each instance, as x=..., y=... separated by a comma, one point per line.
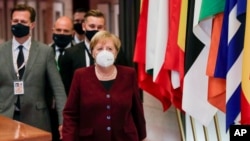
x=86, y=53
x=15, y=51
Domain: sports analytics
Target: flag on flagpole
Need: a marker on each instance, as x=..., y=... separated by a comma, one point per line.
x=245, y=98
x=216, y=86
x=174, y=61
x=198, y=41
x=156, y=43
x=142, y=55
x=229, y=59
x=177, y=76
x=157, y=35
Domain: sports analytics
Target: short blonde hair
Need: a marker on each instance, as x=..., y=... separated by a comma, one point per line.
x=94, y=13
x=102, y=36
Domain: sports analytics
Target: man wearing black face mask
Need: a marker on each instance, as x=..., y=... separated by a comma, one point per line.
x=79, y=55
x=28, y=67
x=78, y=19
x=62, y=37
x=20, y=30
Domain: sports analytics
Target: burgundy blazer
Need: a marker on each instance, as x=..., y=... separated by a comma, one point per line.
x=93, y=113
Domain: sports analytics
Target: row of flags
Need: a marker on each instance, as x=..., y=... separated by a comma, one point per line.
x=195, y=55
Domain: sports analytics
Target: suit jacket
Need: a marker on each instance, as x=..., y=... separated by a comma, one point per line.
x=49, y=93
x=75, y=58
x=40, y=66
x=54, y=50
x=93, y=113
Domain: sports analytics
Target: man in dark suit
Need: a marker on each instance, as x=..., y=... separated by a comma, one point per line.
x=78, y=18
x=62, y=37
x=29, y=64
x=79, y=55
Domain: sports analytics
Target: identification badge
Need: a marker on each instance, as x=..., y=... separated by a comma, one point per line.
x=18, y=88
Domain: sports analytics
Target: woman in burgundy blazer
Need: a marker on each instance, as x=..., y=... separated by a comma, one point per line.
x=104, y=103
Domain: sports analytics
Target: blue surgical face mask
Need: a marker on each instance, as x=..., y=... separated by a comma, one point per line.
x=62, y=40
x=90, y=33
x=20, y=30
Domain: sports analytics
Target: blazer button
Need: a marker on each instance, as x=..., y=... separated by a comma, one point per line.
x=108, y=117
x=107, y=95
x=108, y=107
x=108, y=128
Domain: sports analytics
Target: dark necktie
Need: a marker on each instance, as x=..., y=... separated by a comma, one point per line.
x=20, y=62
x=20, y=67
x=61, y=50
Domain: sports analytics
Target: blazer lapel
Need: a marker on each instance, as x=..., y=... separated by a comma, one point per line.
x=9, y=55
x=32, y=55
x=54, y=48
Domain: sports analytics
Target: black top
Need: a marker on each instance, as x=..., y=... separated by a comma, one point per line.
x=107, y=84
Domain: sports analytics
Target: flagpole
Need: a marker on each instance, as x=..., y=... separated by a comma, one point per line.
x=178, y=115
x=216, y=122
x=193, y=128
x=205, y=133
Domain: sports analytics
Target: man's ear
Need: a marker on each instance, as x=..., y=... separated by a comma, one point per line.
x=83, y=26
x=32, y=25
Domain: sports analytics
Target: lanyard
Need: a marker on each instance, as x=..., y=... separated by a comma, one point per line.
x=17, y=70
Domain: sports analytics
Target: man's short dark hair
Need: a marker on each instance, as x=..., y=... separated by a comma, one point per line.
x=24, y=7
x=94, y=13
x=80, y=10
